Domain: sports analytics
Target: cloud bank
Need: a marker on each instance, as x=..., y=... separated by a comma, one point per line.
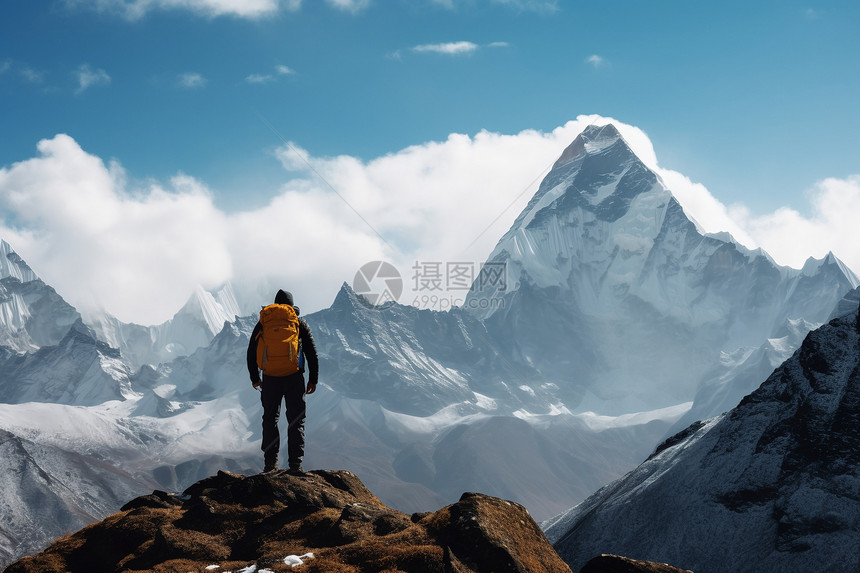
x=138, y=251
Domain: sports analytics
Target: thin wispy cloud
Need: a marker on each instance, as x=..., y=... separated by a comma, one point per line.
x=463, y=48
x=29, y=74
x=544, y=6
x=32, y=76
x=88, y=77
x=260, y=78
x=191, y=80
x=596, y=61
x=137, y=9
x=353, y=6
x=540, y=6
x=280, y=70
x=248, y=9
x=448, y=48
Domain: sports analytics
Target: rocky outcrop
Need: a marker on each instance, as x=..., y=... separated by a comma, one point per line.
x=617, y=564
x=272, y=520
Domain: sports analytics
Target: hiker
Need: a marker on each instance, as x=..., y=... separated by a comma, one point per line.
x=278, y=346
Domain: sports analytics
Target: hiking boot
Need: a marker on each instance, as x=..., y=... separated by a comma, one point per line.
x=296, y=469
x=271, y=464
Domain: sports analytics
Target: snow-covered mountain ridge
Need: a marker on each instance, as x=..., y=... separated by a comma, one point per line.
x=773, y=485
x=192, y=327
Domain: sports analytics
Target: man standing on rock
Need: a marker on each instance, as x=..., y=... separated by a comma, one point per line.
x=279, y=345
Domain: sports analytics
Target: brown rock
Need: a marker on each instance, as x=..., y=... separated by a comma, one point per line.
x=617, y=564
x=235, y=521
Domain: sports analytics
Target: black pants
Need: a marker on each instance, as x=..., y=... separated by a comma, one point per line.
x=290, y=389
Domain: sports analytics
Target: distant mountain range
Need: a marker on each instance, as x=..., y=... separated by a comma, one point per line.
x=617, y=318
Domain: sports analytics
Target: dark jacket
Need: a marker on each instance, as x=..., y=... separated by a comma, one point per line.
x=306, y=344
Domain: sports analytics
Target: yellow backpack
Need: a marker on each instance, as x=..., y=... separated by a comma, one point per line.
x=278, y=341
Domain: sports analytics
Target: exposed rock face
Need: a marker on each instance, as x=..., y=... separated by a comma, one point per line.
x=616, y=564
x=235, y=521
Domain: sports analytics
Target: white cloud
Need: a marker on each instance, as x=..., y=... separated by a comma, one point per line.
x=540, y=6
x=191, y=80
x=5, y=66
x=353, y=6
x=99, y=244
x=136, y=9
x=545, y=6
x=595, y=60
x=140, y=252
x=498, y=45
x=88, y=77
x=449, y=48
x=32, y=76
x=791, y=237
x=259, y=78
x=280, y=70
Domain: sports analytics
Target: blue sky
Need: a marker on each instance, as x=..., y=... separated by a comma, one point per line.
x=756, y=101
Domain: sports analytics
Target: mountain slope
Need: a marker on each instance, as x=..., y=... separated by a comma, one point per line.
x=49, y=491
x=78, y=371
x=773, y=485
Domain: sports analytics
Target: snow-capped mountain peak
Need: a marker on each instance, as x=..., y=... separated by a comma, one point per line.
x=604, y=257
x=215, y=307
x=592, y=140
x=32, y=314
x=194, y=326
x=11, y=265
x=812, y=266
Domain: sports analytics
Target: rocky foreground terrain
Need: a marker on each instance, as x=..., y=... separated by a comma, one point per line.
x=321, y=521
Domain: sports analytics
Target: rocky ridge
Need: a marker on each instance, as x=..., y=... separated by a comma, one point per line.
x=267, y=520
x=320, y=521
